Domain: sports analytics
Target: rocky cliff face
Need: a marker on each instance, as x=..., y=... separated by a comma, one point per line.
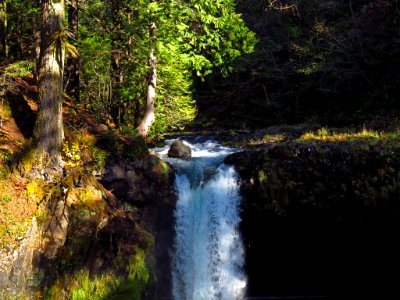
x=148, y=184
x=17, y=265
x=318, y=215
x=121, y=232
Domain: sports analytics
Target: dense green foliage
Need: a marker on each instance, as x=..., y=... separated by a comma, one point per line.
x=20, y=31
x=187, y=42
x=191, y=39
x=335, y=61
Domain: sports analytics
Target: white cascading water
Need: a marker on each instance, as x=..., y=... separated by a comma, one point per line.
x=208, y=254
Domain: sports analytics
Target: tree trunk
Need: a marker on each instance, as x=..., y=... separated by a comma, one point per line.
x=36, y=46
x=73, y=62
x=3, y=29
x=116, y=105
x=49, y=133
x=149, y=116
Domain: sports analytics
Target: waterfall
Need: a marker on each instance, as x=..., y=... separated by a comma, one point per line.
x=208, y=252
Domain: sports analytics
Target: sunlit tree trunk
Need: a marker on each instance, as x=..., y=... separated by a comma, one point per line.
x=149, y=116
x=3, y=29
x=48, y=131
x=73, y=62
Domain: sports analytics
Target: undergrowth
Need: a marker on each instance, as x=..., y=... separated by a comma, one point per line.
x=16, y=210
x=108, y=285
x=337, y=174
x=326, y=135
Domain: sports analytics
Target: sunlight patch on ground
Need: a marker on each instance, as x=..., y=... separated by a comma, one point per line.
x=326, y=135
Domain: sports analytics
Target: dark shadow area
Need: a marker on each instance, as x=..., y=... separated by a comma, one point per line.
x=135, y=177
x=332, y=62
x=312, y=257
x=321, y=218
x=22, y=113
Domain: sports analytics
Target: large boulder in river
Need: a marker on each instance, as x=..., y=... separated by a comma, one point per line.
x=179, y=150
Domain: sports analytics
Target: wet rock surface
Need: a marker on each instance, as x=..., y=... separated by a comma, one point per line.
x=179, y=150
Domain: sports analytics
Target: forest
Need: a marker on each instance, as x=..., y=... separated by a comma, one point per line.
x=308, y=90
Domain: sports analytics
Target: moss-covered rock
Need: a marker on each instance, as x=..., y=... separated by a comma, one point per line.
x=330, y=178
x=104, y=251
x=91, y=241
x=320, y=216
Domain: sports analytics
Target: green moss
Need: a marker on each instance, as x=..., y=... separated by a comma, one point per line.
x=36, y=190
x=165, y=169
x=146, y=239
x=262, y=177
x=80, y=286
x=138, y=274
x=329, y=177
x=79, y=151
x=27, y=158
x=108, y=285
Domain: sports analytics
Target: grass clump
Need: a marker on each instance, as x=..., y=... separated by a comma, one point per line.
x=325, y=135
x=267, y=138
x=80, y=151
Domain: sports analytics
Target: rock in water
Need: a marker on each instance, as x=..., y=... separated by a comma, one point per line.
x=179, y=150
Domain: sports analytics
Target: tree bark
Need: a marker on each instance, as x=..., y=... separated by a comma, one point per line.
x=116, y=104
x=73, y=62
x=36, y=41
x=149, y=116
x=48, y=132
x=3, y=29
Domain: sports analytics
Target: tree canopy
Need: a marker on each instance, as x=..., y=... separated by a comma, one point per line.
x=192, y=39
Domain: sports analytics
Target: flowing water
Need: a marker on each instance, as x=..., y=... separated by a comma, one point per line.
x=208, y=252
